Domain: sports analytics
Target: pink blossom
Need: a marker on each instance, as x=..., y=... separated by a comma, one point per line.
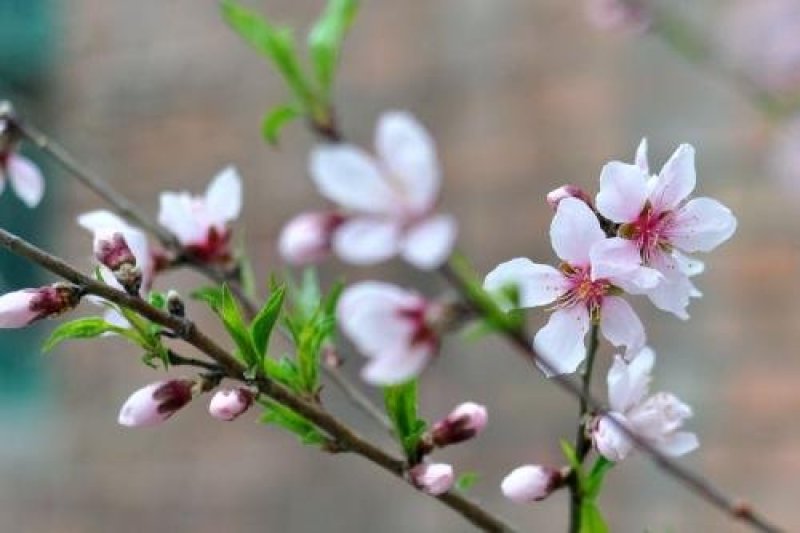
x=228, y=404
x=463, y=423
x=659, y=223
x=391, y=198
x=24, y=176
x=153, y=404
x=390, y=326
x=20, y=308
x=555, y=196
x=656, y=418
x=585, y=289
x=201, y=223
x=530, y=483
x=433, y=478
x=308, y=237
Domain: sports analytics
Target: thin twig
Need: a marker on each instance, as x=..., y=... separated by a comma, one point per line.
x=345, y=438
x=357, y=397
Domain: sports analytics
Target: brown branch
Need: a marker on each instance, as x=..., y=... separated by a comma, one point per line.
x=345, y=438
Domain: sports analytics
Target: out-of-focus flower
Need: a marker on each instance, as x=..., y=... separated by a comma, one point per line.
x=228, y=404
x=661, y=224
x=585, y=289
x=391, y=198
x=20, y=308
x=463, y=423
x=393, y=327
x=153, y=404
x=759, y=37
x=433, y=478
x=656, y=418
x=201, y=223
x=308, y=237
x=615, y=15
x=531, y=483
x=22, y=174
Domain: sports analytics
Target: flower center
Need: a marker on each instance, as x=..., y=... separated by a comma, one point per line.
x=649, y=231
x=583, y=290
x=423, y=332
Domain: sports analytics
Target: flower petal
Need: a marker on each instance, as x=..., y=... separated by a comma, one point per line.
x=620, y=324
x=176, y=214
x=537, y=284
x=560, y=341
x=676, y=180
x=619, y=261
x=679, y=443
x=574, y=230
x=366, y=240
x=701, y=225
x=349, y=177
x=429, y=243
x=224, y=197
x=397, y=367
x=641, y=157
x=102, y=219
x=672, y=294
x=26, y=180
x=623, y=192
x=410, y=155
x=628, y=382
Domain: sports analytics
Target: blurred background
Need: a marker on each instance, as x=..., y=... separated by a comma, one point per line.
x=521, y=96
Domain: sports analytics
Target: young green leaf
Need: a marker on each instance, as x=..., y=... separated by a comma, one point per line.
x=232, y=319
x=591, y=519
x=82, y=328
x=277, y=44
x=401, y=406
x=466, y=481
x=210, y=295
x=265, y=320
x=572, y=459
x=281, y=416
x=594, y=481
x=276, y=119
x=326, y=37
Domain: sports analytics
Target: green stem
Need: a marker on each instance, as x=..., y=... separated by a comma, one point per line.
x=582, y=444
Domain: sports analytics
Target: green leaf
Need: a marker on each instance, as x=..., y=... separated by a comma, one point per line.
x=401, y=406
x=157, y=300
x=265, y=320
x=494, y=316
x=276, y=44
x=82, y=328
x=594, y=481
x=326, y=37
x=211, y=295
x=466, y=481
x=281, y=416
x=232, y=319
x=591, y=519
x=276, y=119
x=572, y=459
x=283, y=371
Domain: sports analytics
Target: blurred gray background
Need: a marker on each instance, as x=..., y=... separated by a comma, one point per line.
x=521, y=96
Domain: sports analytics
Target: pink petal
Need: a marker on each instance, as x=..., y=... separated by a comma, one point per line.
x=15, y=309
x=641, y=157
x=628, y=381
x=701, y=225
x=620, y=324
x=619, y=261
x=392, y=368
x=365, y=240
x=177, y=215
x=679, y=443
x=349, y=177
x=429, y=243
x=26, y=180
x=537, y=284
x=560, y=341
x=224, y=197
x=676, y=180
x=623, y=192
x=409, y=154
x=102, y=219
x=574, y=230
x=672, y=294
x=610, y=442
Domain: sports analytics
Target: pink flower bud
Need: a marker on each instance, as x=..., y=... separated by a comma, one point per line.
x=228, y=404
x=112, y=250
x=20, y=308
x=308, y=237
x=153, y=404
x=530, y=483
x=434, y=478
x=567, y=191
x=463, y=423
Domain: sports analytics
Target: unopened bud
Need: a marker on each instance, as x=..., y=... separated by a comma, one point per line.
x=20, y=308
x=434, y=478
x=112, y=250
x=555, y=196
x=463, y=423
x=308, y=237
x=228, y=404
x=153, y=404
x=175, y=305
x=531, y=483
